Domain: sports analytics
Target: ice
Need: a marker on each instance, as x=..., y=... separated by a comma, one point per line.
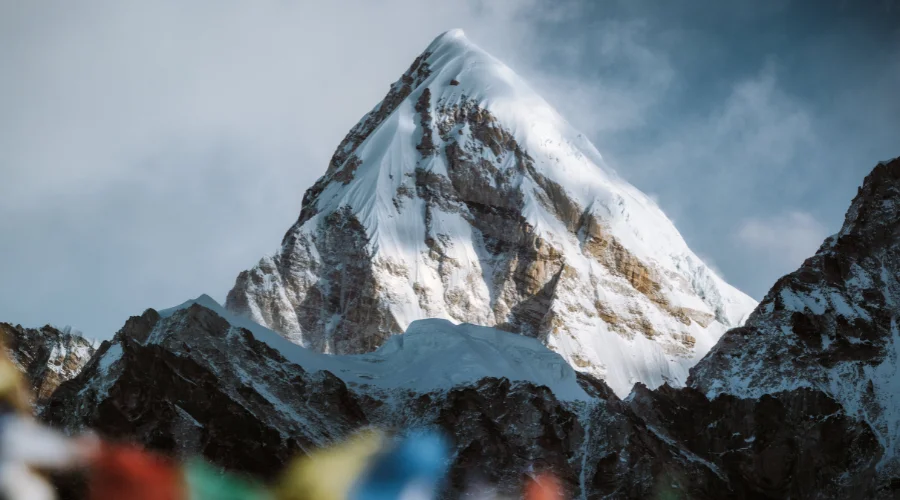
x=433, y=355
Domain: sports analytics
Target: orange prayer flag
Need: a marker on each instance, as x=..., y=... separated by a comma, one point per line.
x=544, y=487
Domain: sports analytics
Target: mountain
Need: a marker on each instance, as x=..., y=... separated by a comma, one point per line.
x=47, y=356
x=463, y=195
x=432, y=355
x=833, y=325
x=192, y=383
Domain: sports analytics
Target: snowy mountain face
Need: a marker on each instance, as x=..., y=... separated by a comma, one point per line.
x=47, y=356
x=464, y=196
x=831, y=326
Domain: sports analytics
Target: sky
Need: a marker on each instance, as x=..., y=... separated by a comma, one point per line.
x=150, y=151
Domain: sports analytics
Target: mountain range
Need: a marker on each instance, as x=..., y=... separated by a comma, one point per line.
x=605, y=351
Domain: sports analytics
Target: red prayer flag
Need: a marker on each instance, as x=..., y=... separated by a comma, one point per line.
x=125, y=472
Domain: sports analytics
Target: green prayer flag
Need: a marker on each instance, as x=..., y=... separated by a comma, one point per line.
x=206, y=482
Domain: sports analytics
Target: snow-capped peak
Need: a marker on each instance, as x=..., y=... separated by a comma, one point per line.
x=464, y=195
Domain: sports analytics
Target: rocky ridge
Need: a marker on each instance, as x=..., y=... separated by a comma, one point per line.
x=191, y=383
x=47, y=356
x=833, y=325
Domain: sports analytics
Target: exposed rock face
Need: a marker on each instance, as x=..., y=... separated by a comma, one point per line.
x=192, y=383
x=793, y=444
x=474, y=201
x=833, y=325
x=47, y=356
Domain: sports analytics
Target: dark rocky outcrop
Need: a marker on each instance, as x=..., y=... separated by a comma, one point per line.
x=794, y=444
x=47, y=356
x=832, y=326
x=191, y=383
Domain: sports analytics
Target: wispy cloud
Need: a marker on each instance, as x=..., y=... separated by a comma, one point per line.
x=710, y=169
x=760, y=123
x=785, y=239
x=606, y=79
x=757, y=129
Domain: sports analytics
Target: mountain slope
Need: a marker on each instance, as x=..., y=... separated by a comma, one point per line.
x=463, y=195
x=833, y=325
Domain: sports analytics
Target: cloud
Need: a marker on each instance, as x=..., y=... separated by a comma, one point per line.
x=606, y=79
x=785, y=239
x=712, y=168
x=760, y=123
x=758, y=129
x=151, y=151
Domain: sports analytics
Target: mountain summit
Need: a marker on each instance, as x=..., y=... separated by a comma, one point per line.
x=464, y=195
